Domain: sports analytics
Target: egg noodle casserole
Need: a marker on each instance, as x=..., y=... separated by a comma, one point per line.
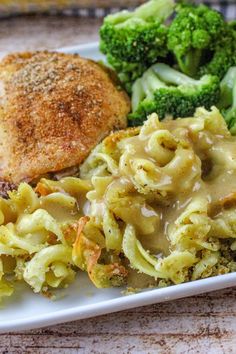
x=153, y=207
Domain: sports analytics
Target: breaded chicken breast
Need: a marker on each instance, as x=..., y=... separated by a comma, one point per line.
x=54, y=108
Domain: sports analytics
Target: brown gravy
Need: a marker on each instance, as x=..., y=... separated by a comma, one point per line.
x=203, y=163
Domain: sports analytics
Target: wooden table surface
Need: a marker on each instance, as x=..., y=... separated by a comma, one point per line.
x=201, y=324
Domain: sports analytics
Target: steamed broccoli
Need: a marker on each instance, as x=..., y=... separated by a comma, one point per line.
x=223, y=56
x=134, y=40
x=167, y=91
x=137, y=36
x=228, y=99
x=193, y=34
x=127, y=72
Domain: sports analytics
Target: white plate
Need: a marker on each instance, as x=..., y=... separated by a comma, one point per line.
x=26, y=310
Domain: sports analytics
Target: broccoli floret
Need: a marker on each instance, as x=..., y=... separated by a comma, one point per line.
x=139, y=36
x=135, y=41
x=193, y=34
x=127, y=72
x=167, y=91
x=228, y=99
x=132, y=41
x=223, y=56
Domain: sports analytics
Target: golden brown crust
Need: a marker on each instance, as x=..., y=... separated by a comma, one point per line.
x=55, y=108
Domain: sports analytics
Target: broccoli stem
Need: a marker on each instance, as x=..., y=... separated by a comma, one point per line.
x=232, y=110
x=234, y=95
x=118, y=18
x=145, y=87
x=226, y=88
x=151, y=82
x=228, y=99
x=230, y=114
x=172, y=76
x=160, y=10
x=138, y=94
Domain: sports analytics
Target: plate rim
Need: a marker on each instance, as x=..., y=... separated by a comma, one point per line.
x=144, y=298
x=74, y=48
x=116, y=304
